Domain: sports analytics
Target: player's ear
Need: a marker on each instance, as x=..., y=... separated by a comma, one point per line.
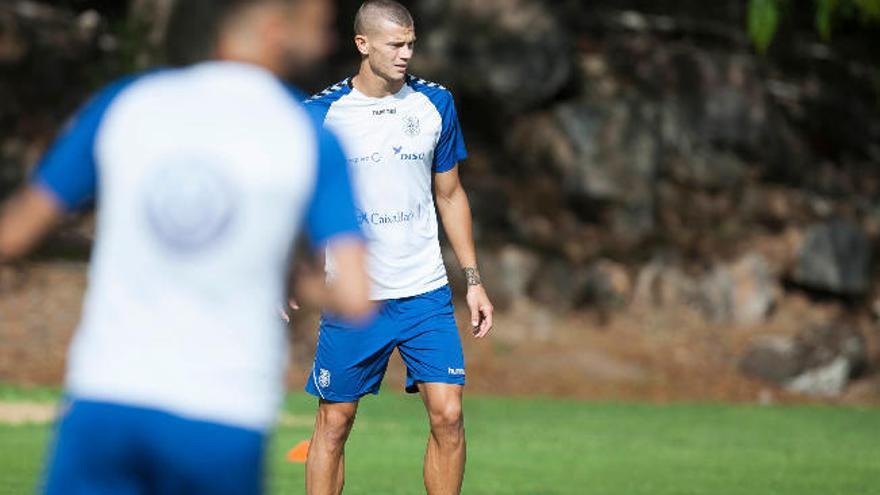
x=362, y=44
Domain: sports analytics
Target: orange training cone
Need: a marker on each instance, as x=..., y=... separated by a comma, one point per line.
x=299, y=453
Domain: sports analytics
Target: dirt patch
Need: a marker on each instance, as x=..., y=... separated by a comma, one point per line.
x=39, y=309
x=19, y=413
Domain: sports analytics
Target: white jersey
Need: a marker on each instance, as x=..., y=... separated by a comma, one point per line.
x=394, y=145
x=203, y=177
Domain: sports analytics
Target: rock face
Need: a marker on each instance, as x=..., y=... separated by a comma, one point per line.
x=593, y=133
x=834, y=257
x=603, y=154
x=818, y=361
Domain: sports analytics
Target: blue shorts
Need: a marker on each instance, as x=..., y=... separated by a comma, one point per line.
x=351, y=358
x=109, y=448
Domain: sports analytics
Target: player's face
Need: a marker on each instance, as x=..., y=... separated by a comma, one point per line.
x=390, y=50
x=309, y=33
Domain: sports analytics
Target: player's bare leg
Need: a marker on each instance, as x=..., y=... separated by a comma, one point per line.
x=325, y=467
x=446, y=452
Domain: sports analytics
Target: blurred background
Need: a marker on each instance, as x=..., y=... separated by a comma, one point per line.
x=674, y=199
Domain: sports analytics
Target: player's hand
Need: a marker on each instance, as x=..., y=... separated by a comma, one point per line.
x=310, y=289
x=292, y=304
x=481, y=310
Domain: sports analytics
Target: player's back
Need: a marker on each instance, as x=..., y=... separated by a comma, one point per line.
x=205, y=174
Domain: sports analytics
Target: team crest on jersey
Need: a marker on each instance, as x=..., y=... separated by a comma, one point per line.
x=189, y=205
x=411, y=125
x=324, y=378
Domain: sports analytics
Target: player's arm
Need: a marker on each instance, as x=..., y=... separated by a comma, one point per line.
x=24, y=219
x=455, y=214
x=309, y=285
x=65, y=180
x=349, y=291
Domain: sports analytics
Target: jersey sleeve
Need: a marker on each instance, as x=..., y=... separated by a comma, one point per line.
x=318, y=109
x=331, y=212
x=68, y=170
x=450, y=146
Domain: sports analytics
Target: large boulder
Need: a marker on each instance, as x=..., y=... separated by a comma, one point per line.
x=710, y=98
x=614, y=149
x=663, y=283
x=705, y=169
x=607, y=285
x=602, y=284
x=743, y=292
x=506, y=274
x=559, y=285
x=834, y=257
x=516, y=268
x=818, y=361
x=513, y=52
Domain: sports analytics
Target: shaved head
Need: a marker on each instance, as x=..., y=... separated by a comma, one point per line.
x=194, y=27
x=284, y=36
x=372, y=12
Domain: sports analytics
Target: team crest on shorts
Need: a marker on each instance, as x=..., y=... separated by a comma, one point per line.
x=324, y=378
x=411, y=125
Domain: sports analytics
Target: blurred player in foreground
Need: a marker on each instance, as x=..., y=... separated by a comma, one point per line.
x=403, y=142
x=203, y=175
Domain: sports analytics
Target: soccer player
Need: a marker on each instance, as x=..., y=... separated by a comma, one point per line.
x=403, y=142
x=203, y=176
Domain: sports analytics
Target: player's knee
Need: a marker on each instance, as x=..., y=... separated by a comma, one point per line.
x=448, y=421
x=334, y=425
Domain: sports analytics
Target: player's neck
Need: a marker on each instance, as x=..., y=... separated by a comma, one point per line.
x=370, y=84
x=232, y=53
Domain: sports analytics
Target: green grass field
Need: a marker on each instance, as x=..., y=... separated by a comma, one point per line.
x=544, y=446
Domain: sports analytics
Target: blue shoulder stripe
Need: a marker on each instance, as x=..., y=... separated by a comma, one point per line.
x=332, y=93
x=319, y=103
x=418, y=81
